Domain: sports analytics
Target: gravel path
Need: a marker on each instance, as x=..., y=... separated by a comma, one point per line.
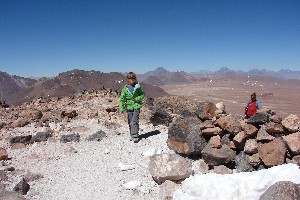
x=94, y=171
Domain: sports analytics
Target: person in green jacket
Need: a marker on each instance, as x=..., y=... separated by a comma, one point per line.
x=131, y=99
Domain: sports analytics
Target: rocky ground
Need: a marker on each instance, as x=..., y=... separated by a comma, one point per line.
x=78, y=147
x=85, y=169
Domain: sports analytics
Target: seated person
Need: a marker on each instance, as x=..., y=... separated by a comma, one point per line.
x=252, y=105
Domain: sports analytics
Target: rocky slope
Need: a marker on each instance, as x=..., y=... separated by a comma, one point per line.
x=78, y=147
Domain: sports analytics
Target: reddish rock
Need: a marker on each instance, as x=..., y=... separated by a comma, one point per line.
x=293, y=143
x=263, y=135
x=250, y=130
x=239, y=140
x=286, y=190
x=254, y=160
x=212, y=131
x=215, y=142
x=272, y=153
x=230, y=124
x=3, y=154
x=274, y=128
x=221, y=169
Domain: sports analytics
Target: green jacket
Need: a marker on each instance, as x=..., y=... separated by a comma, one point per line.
x=126, y=98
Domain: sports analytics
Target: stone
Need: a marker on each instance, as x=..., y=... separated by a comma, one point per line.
x=230, y=124
x=206, y=110
x=167, y=189
x=274, y=128
x=215, y=142
x=3, y=154
x=212, y=131
x=70, y=138
x=41, y=136
x=184, y=136
x=250, y=130
x=22, y=187
x=239, y=140
x=259, y=118
x=286, y=190
x=160, y=117
x=293, y=142
x=173, y=167
x=251, y=146
x=291, y=123
x=221, y=169
x=243, y=163
x=214, y=156
x=98, y=136
x=254, y=160
x=272, y=153
x=200, y=167
x=263, y=135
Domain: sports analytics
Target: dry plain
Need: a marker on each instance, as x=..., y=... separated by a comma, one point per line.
x=280, y=96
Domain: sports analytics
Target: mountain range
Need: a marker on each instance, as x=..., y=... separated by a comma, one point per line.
x=16, y=90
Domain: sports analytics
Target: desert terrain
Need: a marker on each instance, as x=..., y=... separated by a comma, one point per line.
x=282, y=97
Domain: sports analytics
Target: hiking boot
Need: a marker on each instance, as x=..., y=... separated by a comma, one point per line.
x=135, y=140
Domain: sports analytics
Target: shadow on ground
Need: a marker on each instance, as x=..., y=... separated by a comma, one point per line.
x=149, y=134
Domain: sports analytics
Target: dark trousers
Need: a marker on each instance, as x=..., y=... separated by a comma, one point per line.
x=133, y=122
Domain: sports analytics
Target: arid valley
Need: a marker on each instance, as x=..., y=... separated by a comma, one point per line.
x=282, y=97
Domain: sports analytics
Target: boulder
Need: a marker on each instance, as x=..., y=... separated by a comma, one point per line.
x=286, y=190
x=184, y=136
x=206, y=110
x=173, y=167
x=293, y=142
x=160, y=117
x=272, y=153
x=215, y=156
x=291, y=123
x=230, y=123
x=259, y=118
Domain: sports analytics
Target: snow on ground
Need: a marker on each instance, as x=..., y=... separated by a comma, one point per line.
x=238, y=186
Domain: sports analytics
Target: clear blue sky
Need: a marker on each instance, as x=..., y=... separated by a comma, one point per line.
x=46, y=37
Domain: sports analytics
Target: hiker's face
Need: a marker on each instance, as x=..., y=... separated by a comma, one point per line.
x=131, y=81
x=253, y=97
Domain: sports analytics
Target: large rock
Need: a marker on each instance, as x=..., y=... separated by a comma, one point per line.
x=160, y=117
x=250, y=130
x=293, y=142
x=291, y=123
x=184, y=136
x=286, y=190
x=239, y=140
x=259, y=118
x=272, y=153
x=206, y=110
x=230, y=123
x=274, y=128
x=215, y=156
x=173, y=167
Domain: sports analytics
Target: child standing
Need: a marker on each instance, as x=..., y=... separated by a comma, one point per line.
x=131, y=98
